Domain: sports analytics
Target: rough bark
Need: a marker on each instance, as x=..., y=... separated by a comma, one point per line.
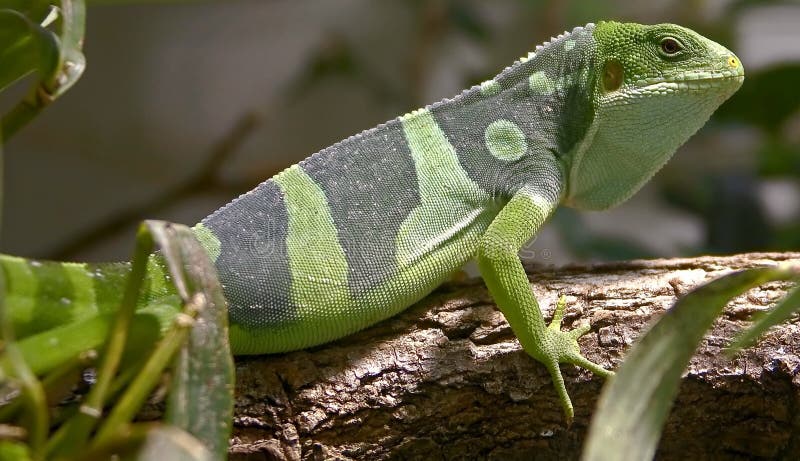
x=447, y=379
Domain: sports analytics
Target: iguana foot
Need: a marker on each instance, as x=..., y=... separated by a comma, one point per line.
x=562, y=347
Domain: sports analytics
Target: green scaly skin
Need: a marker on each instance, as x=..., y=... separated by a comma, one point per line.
x=365, y=228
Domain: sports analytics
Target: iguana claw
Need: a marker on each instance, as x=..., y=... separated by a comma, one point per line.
x=562, y=347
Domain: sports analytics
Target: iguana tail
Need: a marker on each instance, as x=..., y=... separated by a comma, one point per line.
x=42, y=295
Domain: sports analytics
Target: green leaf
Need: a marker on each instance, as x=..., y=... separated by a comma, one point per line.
x=32, y=392
x=73, y=62
x=201, y=401
x=54, y=54
x=25, y=47
x=74, y=435
x=35, y=10
x=202, y=393
x=14, y=451
x=201, y=397
x=781, y=312
x=635, y=403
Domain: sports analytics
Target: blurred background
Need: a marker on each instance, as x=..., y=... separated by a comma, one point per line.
x=187, y=104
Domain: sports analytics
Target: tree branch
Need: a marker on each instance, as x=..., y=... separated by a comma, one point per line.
x=448, y=380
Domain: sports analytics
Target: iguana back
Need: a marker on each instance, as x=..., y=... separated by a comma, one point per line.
x=373, y=223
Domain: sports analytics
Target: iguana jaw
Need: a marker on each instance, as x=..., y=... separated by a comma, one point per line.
x=693, y=81
x=721, y=84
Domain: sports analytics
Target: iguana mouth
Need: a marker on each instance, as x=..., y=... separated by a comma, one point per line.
x=694, y=80
x=718, y=79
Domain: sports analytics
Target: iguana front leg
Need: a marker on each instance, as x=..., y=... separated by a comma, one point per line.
x=508, y=283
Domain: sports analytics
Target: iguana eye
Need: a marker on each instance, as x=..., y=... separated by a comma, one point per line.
x=670, y=46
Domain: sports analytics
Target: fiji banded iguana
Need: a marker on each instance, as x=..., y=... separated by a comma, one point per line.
x=362, y=229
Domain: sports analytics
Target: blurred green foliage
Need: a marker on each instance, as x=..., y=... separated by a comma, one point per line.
x=44, y=37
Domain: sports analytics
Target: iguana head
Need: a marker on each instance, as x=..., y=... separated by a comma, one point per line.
x=655, y=87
